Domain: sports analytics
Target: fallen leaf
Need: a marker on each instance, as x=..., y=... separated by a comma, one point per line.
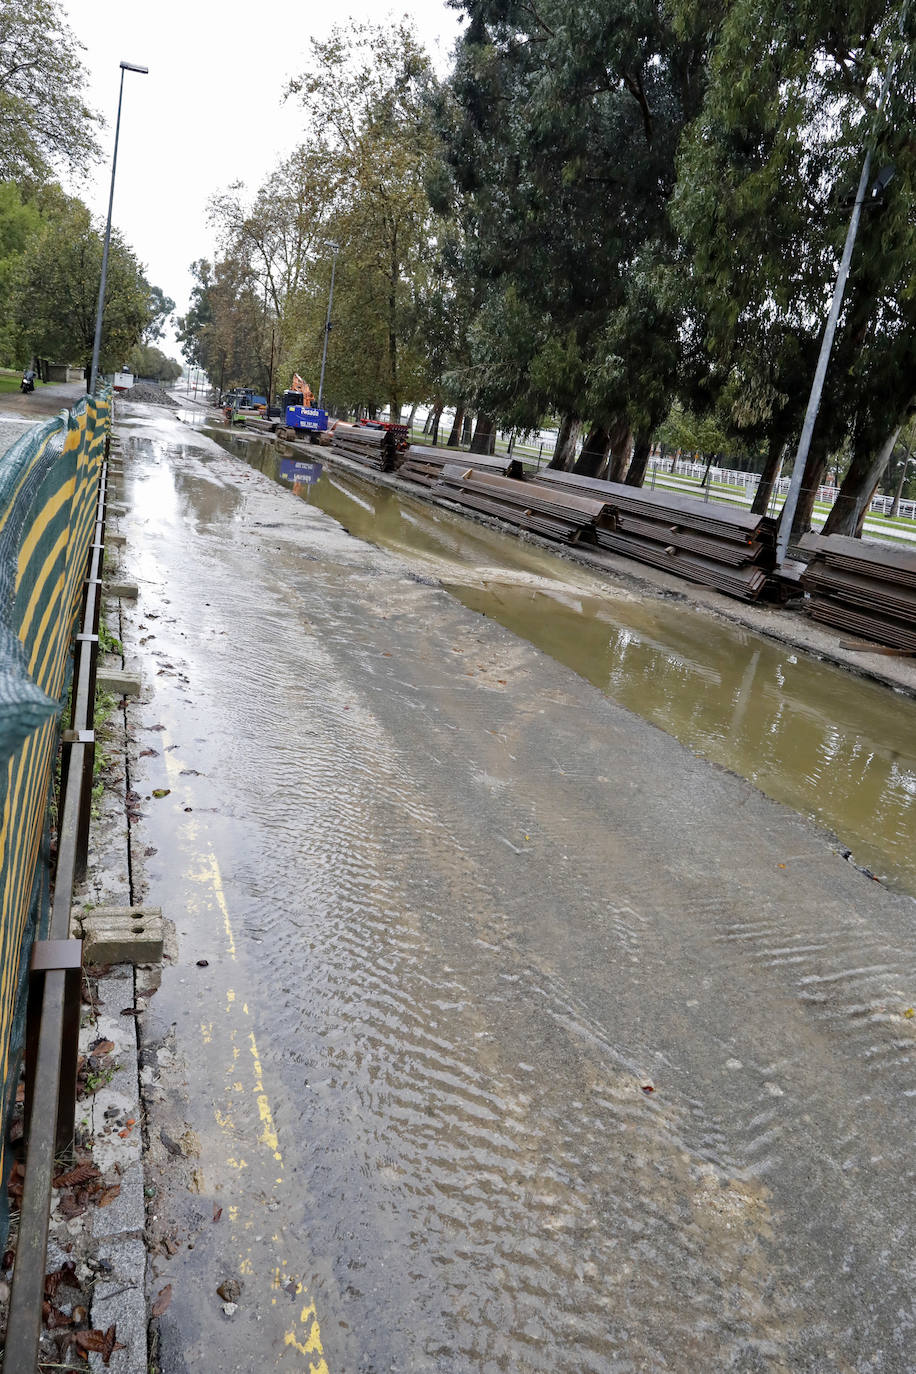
x=66, y=1274
x=217, y=1213
x=83, y=1173
x=101, y=1342
x=780, y=865
x=70, y=1208
x=102, y=1047
x=163, y=1300
x=149, y=753
x=131, y=1011
x=161, y=791
x=909, y=1013
x=109, y=1194
x=53, y=1317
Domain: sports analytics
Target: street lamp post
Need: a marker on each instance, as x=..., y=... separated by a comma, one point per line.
x=93, y=375
x=335, y=249
x=790, y=504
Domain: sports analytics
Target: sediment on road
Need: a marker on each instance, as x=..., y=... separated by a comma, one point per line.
x=489, y=998
x=786, y=624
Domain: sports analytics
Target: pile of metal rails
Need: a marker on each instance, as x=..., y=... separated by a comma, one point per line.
x=373, y=448
x=857, y=585
x=718, y=546
x=562, y=515
x=425, y=465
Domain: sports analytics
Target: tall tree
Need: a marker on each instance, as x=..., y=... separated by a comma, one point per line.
x=570, y=116
x=366, y=95
x=763, y=204
x=45, y=122
x=56, y=289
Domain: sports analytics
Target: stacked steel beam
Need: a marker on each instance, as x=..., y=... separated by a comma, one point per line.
x=373, y=448
x=424, y=465
x=565, y=516
x=861, y=586
x=716, y=545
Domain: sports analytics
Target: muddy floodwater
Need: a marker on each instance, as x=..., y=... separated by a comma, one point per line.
x=498, y=1033
x=836, y=747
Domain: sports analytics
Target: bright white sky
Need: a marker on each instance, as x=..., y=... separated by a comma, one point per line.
x=210, y=110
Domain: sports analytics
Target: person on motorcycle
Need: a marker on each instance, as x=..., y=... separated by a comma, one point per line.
x=28, y=380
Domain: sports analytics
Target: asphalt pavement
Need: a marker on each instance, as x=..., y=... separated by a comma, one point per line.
x=501, y=1031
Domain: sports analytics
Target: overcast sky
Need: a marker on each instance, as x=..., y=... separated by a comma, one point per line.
x=210, y=110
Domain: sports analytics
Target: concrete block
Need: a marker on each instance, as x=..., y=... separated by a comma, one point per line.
x=122, y=684
x=125, y=591
x=122, y=935
x=116, y=508
x=115, y=539
x=119, y=1300
x=127, y=1212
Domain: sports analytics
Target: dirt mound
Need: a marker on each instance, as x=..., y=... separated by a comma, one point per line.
x=150, y=394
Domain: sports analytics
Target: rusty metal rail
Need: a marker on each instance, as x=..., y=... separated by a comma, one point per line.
x=858, y=586
x=52, y=1033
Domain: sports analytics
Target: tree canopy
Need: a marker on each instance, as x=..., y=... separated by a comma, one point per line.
x=45, y=122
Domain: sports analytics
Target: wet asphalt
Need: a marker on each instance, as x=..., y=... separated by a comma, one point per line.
x=501, y=1032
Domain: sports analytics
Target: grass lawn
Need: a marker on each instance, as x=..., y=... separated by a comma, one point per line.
x=9, y=380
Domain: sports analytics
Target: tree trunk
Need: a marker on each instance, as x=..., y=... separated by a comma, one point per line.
x=565, y=450
x=814, y=471
x=427, y=423
x=859, y=486
x=636, y=472
x=484, y=435
x=621, y=444
x=594, y=453
x=411, y=417
x=455, y=434
x=769, y=476
x=466, y=430
x=434, y=434
x=895, y=504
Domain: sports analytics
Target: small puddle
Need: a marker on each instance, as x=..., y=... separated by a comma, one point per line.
x=827, y=743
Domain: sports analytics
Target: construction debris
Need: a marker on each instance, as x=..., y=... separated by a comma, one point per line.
x=858, y=585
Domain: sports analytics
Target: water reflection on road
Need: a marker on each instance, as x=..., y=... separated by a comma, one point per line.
x=834, y=746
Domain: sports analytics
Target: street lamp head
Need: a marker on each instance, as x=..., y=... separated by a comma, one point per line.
x=131, y=67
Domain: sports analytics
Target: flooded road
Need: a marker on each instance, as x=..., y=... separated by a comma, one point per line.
x=836, y=747
x=525, y=1040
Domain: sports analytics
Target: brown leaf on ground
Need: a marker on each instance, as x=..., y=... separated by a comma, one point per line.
x=102, y=1047
x=70, y=1208
x=131, y=1011
x=163, y=1300
x=53, y=1317
x=217, y=1213
x=83, y=1173
x=66, y=1274
x=99, y=1342
x=149, y=753
x=108, y=1194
